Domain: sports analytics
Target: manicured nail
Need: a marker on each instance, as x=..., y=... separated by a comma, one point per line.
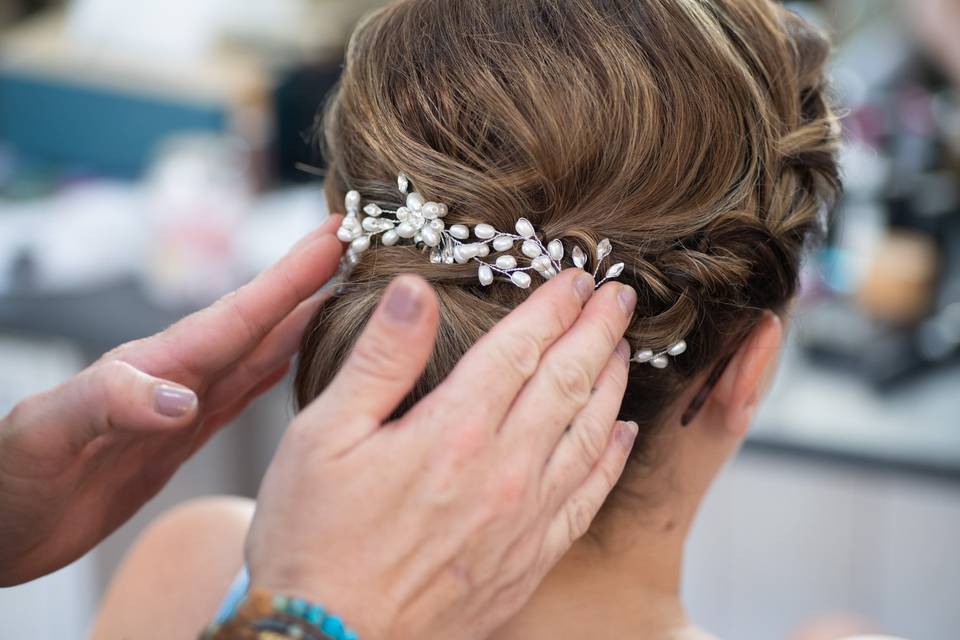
x=173, y=402
x=403, y=304
x=584, y=286
x=628, y=300
x=628, y=434
x=623, y=350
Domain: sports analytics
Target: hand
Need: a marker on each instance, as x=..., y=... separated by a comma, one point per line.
x=441, y=524
x=77, y=461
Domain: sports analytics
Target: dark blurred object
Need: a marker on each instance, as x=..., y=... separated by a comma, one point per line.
x=298, y=102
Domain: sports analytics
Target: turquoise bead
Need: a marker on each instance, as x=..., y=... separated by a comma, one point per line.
x=280, y=603
x=297, y=607
x=314, y=615
x=350, y=635
x=333, y=627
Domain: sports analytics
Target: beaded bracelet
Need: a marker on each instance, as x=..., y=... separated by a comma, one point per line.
x=262, y=615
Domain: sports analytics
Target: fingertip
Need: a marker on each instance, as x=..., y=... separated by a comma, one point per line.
x=627, y=434
x=409, y=301
x=174, y=401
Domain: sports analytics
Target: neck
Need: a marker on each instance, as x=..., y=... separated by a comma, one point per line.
x=622, y=583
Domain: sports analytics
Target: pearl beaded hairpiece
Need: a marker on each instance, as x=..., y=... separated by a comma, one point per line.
x=422, y=223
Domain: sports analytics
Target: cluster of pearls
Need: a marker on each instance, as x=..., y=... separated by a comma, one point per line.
x=421, y=221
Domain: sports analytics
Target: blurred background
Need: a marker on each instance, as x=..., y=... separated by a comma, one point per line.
x=156, y=153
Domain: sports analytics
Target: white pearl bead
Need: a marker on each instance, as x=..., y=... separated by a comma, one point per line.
x=390, y=238
x=469, y=251
x=437, y=225
x=677, y=348
x=485, y=273
x=643, y=355
x=403, y=182
x=524, y=228
x=458, y=255
x=430, y=237
x=350, y=222
x=483, y=250
x=530, y=248
x=443, y=211
x=460, y=231
x=555, y=250
x=352, y=201
x=385, y=225
x=372, y=210
x=579, y=258
x=521, y=279
x=431, y=210
x=550, y=273
x=415, y=201
x=541, y=264
x=660, y=362
x=403, y=214
x=371, y=224
x=484, y=231
x=406, y=230
x=361, y=244
x=506, y=262
x=344, y=234
x=502, y=243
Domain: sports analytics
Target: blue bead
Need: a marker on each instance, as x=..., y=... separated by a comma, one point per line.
x=333, y=627
x=280, y=603
x=297, y=607
x=314, y=615
x=350, y=635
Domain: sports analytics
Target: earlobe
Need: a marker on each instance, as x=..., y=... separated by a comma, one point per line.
x=743, y=383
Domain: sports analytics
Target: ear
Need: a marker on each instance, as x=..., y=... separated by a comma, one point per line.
x=739, y=390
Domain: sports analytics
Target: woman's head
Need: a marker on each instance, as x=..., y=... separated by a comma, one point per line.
x=694, y=134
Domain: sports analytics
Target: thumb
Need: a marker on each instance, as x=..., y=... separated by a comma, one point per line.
x=116, y=396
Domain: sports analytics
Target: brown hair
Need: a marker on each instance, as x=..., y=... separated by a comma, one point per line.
x=695, y=134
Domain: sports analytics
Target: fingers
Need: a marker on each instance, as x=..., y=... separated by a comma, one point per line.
x=583, y=444
x=274, y=351
x=565, y=380
x=501, y=362
x=383, y=366
x=210, y=340
x=578, y=511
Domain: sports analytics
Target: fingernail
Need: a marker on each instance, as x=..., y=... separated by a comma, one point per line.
x=173, y=402
x=627, y=434
x=403, y=305
x=628, y=300
x=584, y=286
x=623, y=350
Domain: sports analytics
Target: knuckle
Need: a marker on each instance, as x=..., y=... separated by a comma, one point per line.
x=572, y=381
x=374, y=358
x=521, y=354
x=590, y=435
x=579, y=515
x=467, y=439
x=511, y=492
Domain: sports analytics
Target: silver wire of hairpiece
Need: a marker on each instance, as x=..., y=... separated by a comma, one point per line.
x=421, y=222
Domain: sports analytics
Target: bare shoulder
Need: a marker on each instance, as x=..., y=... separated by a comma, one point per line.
x=173, y=579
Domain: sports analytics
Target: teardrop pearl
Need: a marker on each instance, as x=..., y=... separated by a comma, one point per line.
x=555, y=250
x=415, y=201
x=390, y=238
x=485, y=273
x=643, y=355
x=371, y=224
x=502, y=243
x=530, y=248
x=524, y=228
x=484, y=231
x=541, y=264
x=361, y=244
x=521, y=279
x=677, y=348
x=431, y=210
x=430, y=237
x=458, y=255
x=344, y=234
x=469, y=251
x=579, y=257
x=403, y=182
x=506, y=262
x=372, y=210
x=352, y=201
x=483, y=250
x=460, y=231
x=406, y=230
x=660, y=362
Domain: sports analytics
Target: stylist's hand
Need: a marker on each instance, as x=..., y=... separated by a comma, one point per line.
x=441, y=524
x=77, y=461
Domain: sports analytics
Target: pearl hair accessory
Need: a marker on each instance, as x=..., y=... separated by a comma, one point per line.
x=421, y=222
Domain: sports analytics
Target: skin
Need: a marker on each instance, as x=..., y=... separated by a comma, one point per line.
x=623, y=582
